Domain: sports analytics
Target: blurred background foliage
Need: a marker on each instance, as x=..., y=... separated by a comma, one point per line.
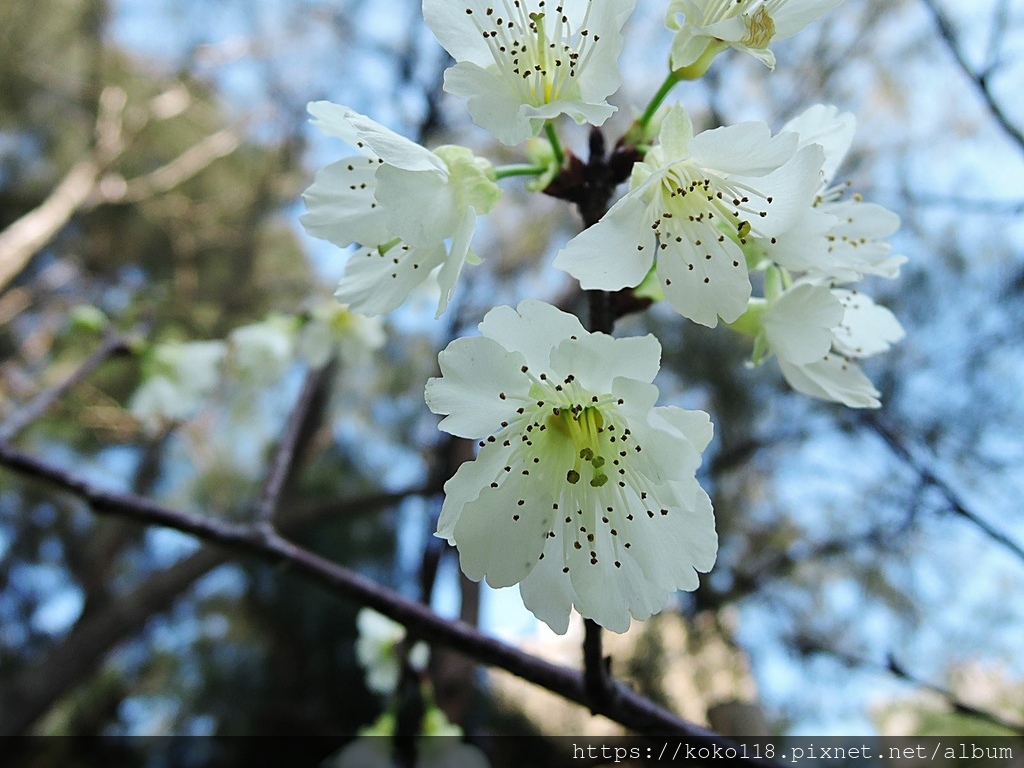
x=870, y=566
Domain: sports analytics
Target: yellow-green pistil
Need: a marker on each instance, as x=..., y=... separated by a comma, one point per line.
x=583, y=426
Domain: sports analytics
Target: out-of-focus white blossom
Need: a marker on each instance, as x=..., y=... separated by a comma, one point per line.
x=177, y=378
x=377, y=651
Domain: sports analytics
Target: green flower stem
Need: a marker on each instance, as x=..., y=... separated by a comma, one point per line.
x=556, y=145
x=652, y=107
x=521, y=169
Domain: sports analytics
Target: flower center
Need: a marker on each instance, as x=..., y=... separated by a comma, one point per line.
x=692, y=198
x=583, y=426
x=544, y=56
x=760, y=28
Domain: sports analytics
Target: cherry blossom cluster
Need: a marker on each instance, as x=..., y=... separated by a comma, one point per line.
x=584, y=491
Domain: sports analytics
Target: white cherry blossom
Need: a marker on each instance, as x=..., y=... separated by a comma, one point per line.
x=694, y=203
x=705, y=27
x=263, y=351
x=817, y=334
x=440, y=745
x=583, y=492
x=411, y=209
x=332, y=331
x=377, y=651
x=177, y=378
x=523, y=62
x=856, y=231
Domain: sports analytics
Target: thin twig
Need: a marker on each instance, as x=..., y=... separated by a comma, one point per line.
x=284, y=458
x=894, y=667
x=113, y=345
x=956, y=503
x=980, y=79
x=27, y=696
x=628, y=708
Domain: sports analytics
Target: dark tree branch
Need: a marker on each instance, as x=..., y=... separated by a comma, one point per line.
x=957, y=505
x=628, y=708
x=894, y=667
x=601, y=688
x=980, y=79
x=113, y=345
x=298, y=425
x=31, y=693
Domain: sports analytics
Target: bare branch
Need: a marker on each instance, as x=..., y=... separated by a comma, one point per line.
x=113, y=345
x=283, y=463
x=956, y=503
x=601, y=688
x=30, y=694
x=22, y=239
x=88, y=183
x=27, y=235
x=980, y=79
x=115, y=189
x=628, y=708
x=897, y=669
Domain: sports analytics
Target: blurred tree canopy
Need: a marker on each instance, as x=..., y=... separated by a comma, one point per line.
x=870, y=565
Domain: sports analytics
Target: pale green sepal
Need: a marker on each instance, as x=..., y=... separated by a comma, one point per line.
x=541, y=154
x=472, y=177
x=699, y=68
x=650, y=287
x=749, y=323
x=773, y=284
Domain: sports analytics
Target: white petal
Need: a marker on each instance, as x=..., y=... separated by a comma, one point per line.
x=610, y=595
x=826, y=126
x=467, y=484
x=747, y=149
x=688, y=45
x=420, y=207
x=492, y=101
x=374, y=283
x=601, y=76
x=672, y=534
x=456, y=31
x=857, y=220
x=867, y=328
x=794, y=15
x=393, y=149
x=475, y=373
x=547, y=591
x=702, y=288
x=805, y=245
x=799, y=324
x=792, y=188
x=335, y=120
x=501, y=534
x=341, y=207
x=676, y=135
x=452, y=267
x=533, y=329
x=833, y=378
x=578, y=109
x=596, y=359
x=615, y=253
x=693, y=426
